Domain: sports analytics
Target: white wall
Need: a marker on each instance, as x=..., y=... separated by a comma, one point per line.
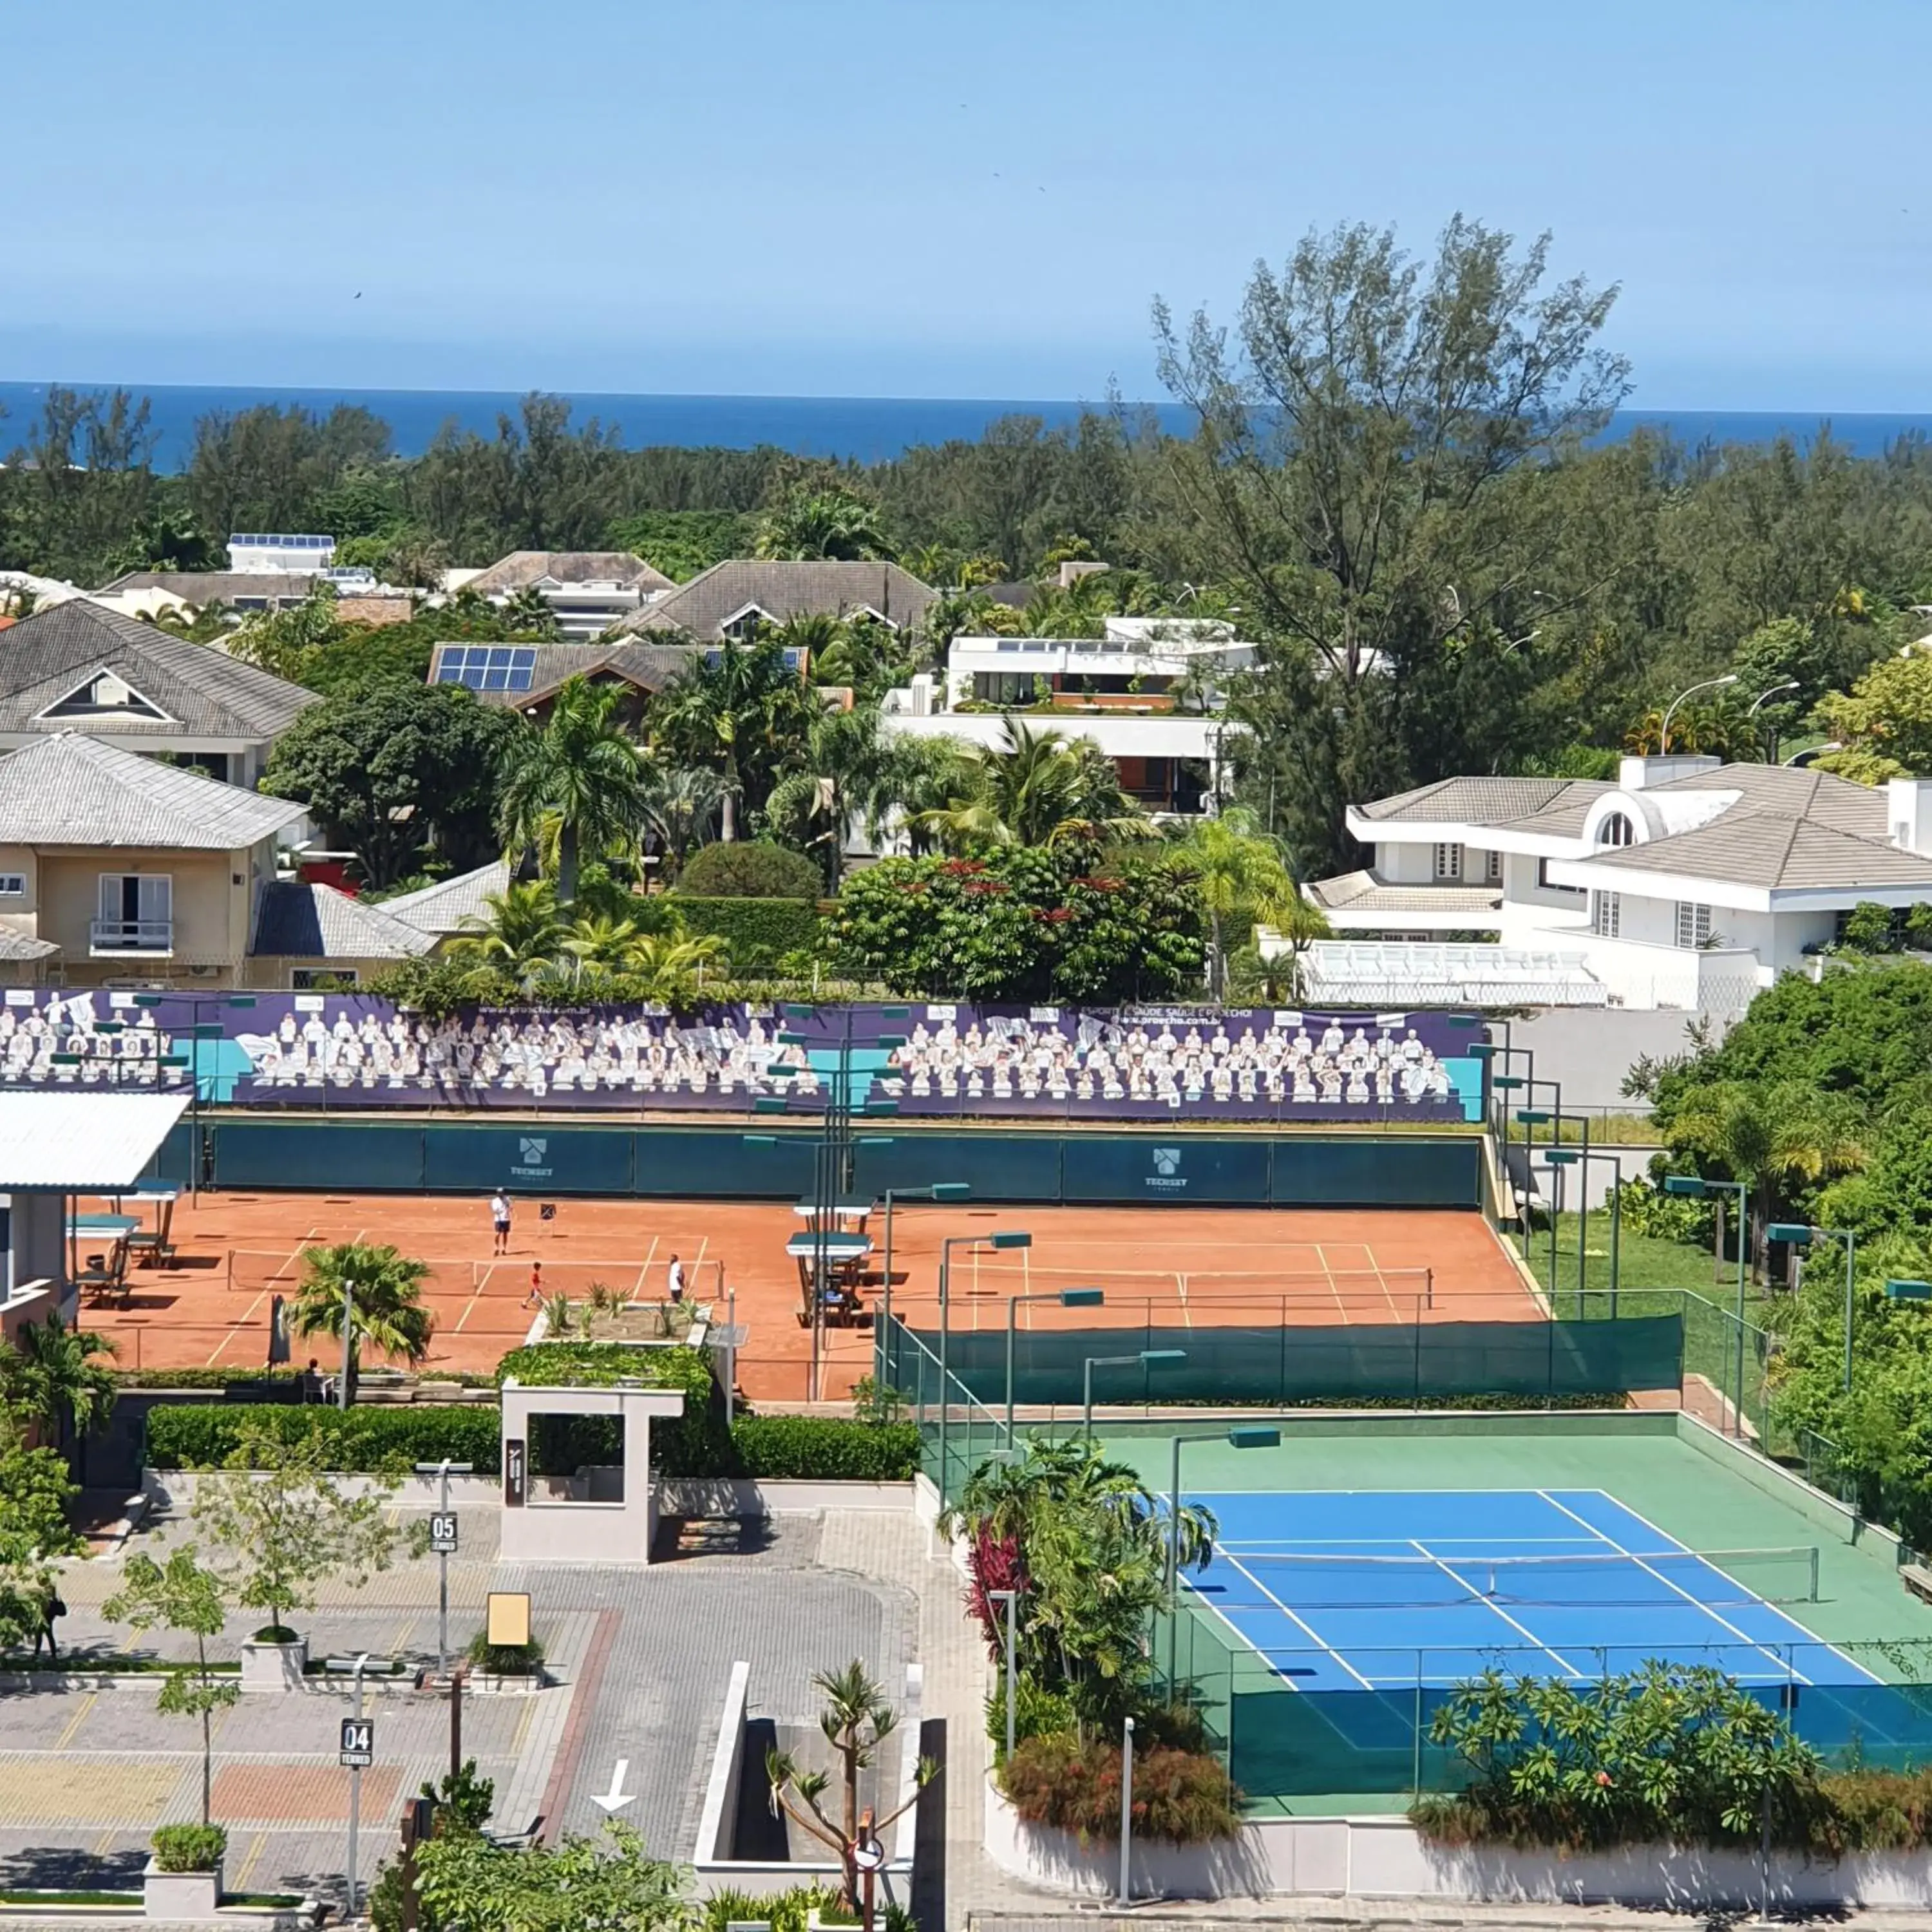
x=1405, y=861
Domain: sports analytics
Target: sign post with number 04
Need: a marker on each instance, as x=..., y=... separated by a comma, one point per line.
x=358, y=1742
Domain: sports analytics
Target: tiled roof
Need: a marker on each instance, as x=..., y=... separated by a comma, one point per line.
x=650, y=667
x=450, y=904
x=19, y=946
x=1484, y=801
x=207, y=693
x=70, y=790
x=203, y=587
x=1818, y=796
x=783, y=590
x=1774, y=849
x=299, y=920
x=1363, y=892
x=568, y=566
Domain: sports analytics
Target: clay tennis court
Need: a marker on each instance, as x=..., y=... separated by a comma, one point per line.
x=1168, y=1266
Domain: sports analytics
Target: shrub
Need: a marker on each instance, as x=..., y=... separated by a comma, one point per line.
x=1867, y=929
x=186, y=1436
x=1646, y=1209
x=1038, y=1712
x=190, y=1848
x=749, y=870
x=757, y=933
x=1181, y=1797
x=695, y=1443
x=783, y=1912
x=824, y=1448
x=504, y=1660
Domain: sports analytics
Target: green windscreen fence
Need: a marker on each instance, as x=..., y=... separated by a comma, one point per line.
x=1293, y=1362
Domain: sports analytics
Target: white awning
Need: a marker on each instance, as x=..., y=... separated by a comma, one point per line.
x=82, y=1143
x=1369, y=973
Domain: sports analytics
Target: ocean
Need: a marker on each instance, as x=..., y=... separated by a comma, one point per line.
x=870, y=429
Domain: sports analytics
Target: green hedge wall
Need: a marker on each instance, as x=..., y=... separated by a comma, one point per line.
x=776, y=1447
x=760, y=932
x=190, y=1435
x=825, y=1448
x=696, y=1443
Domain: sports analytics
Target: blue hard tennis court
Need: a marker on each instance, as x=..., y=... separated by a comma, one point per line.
x=1372, y=1591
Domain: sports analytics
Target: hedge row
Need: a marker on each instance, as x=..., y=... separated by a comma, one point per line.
x=760, y=932
x=187, y=1435
x=824, y=1448
x=362, y=1440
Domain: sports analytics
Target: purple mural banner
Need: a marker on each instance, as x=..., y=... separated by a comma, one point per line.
x=350, y=1051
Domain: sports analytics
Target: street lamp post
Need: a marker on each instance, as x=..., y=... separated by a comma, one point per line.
x=1066, y=1297
x=1245, y=1436
x=1800, y=1235
x=1006, y=1237
x=1694, y=1187
x=1148, y=1358
x=940, y=1190
x=1709, y=684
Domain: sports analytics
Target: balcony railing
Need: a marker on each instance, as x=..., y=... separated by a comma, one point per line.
x=131, y=935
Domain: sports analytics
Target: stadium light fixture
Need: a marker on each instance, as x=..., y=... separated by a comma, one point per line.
x=1532, y=1116
x=1793, y=1234
x=797, y=1013
x=873, y=1140
x=951, y=1190
x=1560, y=1157
x=1062, y=1297
x=1242, y=1435
x=1688, y=1185
x=770, y=1103
x=1148, y=1359
x=1506, y=1083
x=1254, y=1435
x=895, y=1013
x=760, y=1140
x=787, y=1038
x=1010, y=1238
x=1908, y=1290
x=890, y=1040
x=1005, y=1238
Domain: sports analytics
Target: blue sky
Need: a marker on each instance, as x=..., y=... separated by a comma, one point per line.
x=935, y=197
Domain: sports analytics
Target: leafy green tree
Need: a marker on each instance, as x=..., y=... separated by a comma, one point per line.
x=523, y=931
x=580, y=769
x=272, y=468
x=1370, y=434
x=395, y=767
x=1884, y=723
x=81, y=488
x=814, y=521
x=607, y=1884
x=749, y=869
x=377, y=1289
x=681, y=804
x=1023, y=924
x=35, y=1491
x=183, y=1597
x=280, y=1524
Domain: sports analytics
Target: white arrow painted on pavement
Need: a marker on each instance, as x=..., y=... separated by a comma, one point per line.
x=616, y=1797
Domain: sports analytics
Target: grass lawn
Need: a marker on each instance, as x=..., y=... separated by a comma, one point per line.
x=123, y=1899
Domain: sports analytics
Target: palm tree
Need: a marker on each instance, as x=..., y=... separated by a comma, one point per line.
x=602, y=941
x=680, y=804
x=528, y=614
x=523, y=931
x=1774, y=1138
x=52, y=1372
x=385, y=1286
x=1037, y=789
x=672, y=965
x=1244, y=880
x=739, y=710
x=810, y=522
x=581, y=765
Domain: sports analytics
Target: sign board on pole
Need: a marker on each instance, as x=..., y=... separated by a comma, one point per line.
x=869, y=1854
x=442, y=1532
x=358, y=1741
x=507, y=1616
x=516, y=1471
x=546, y=1210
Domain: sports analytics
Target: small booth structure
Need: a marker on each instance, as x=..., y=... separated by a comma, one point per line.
x=56, y=1150
x=576, y=1472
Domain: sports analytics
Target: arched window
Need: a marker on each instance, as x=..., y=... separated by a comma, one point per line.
x=1616, y=830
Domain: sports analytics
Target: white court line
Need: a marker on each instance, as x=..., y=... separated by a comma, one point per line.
x=1750, y=1642
x=1495, y=1609
x=1293, y=1619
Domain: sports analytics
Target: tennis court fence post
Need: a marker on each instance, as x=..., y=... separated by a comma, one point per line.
x=1415, y=1398
x=1415, y=1766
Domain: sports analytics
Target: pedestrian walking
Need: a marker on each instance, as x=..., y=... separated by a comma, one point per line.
x=48, y=1607
x=499, y=1220
x=535, y=1298
x=676, y=1280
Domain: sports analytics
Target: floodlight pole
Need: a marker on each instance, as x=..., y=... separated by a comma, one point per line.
x=1011, y=1599
x=1127, y=1806
x=1067, y=1297
x=348, y=1339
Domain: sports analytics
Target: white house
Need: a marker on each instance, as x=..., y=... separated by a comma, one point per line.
x=1146, y=693
x=1684, y=883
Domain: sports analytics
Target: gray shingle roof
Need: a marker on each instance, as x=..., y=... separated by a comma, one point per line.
x=783, y=590
x=650, y=667
x=568, y=566
x=1485, y=801
x=1773, y=850
x=298, y=920
x=74, y=790
x=207, y=693
x=450, y=904
x=19, y=946
x=202, y=587
x=1818, y=796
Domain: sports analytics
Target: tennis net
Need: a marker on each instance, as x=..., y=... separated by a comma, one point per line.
x=1329, y=1579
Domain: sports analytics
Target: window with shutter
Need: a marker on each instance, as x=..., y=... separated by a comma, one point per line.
x=1694, y=924
x=1605, y=914
x=1448, y=862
